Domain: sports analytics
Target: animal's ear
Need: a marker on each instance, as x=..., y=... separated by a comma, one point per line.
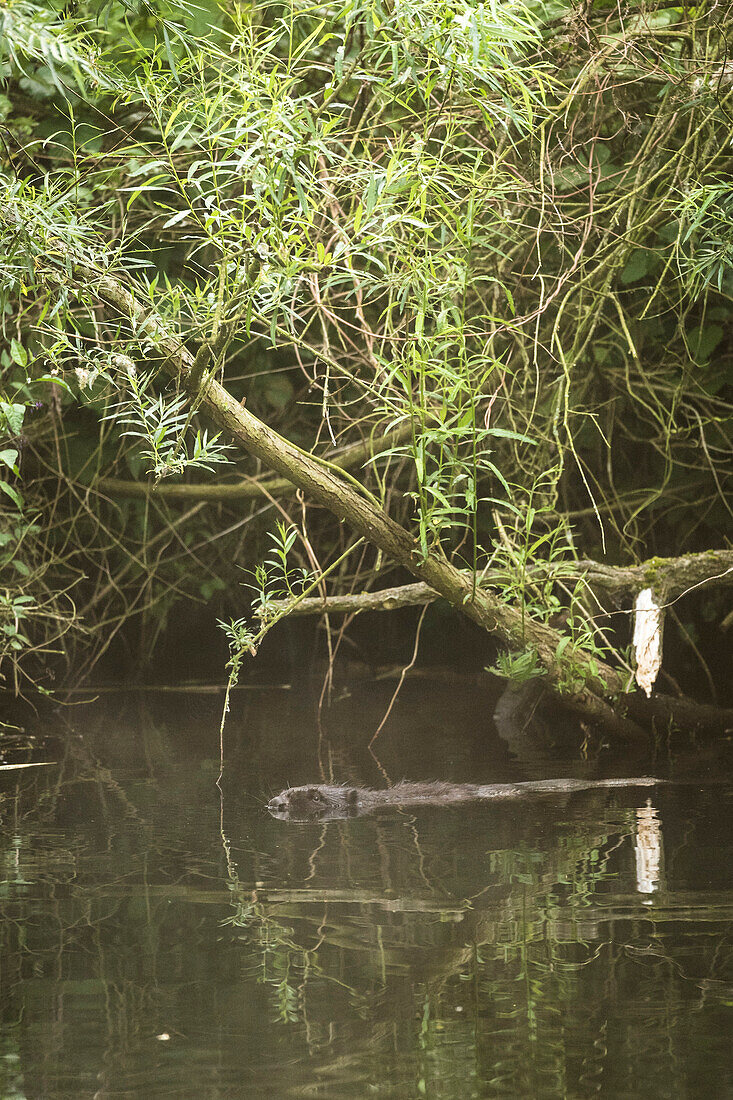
x=352, y=797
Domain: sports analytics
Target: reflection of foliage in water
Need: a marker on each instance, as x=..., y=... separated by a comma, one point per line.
x=281, y=957
x=488, y=949
x=518, y=987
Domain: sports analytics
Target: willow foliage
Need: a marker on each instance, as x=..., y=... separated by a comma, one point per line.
x=503, y=230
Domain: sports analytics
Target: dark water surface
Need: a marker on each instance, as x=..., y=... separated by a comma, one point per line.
x=159, y=939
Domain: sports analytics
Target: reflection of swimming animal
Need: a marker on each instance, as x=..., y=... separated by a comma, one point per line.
x=298, y=803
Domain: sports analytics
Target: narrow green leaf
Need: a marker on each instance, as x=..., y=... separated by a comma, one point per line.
x=13, y=494
x=18, y=353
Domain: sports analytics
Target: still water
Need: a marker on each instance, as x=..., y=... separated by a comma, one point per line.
x=161, y=938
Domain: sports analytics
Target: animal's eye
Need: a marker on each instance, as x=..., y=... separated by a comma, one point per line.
x=317, y=797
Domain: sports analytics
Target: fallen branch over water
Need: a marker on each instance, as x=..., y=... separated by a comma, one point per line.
x=594, y=682
x=325, y=485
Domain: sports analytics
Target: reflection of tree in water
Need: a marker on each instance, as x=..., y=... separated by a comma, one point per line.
x=487, y=949
x=529, y=984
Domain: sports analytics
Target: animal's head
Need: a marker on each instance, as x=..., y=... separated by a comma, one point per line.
x=305, y=803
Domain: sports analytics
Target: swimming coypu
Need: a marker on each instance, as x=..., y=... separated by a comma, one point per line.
x=327, y=802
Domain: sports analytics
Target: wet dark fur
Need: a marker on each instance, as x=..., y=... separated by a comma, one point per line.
x=323, y=801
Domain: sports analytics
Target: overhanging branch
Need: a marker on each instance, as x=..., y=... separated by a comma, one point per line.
x=672, y=577
x=325, y=486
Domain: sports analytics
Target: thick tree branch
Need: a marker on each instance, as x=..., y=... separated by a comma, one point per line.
x=671, y=577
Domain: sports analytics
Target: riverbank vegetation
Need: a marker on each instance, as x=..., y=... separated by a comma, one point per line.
x=439, y=289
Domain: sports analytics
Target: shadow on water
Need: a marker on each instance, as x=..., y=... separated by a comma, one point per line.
x=161, y=940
